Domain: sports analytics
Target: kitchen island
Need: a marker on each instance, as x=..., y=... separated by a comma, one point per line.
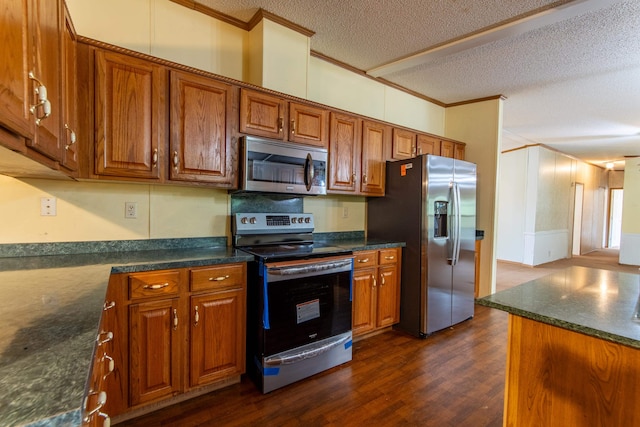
x=573, y=356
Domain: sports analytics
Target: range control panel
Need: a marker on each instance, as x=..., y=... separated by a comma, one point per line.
x=272, y=223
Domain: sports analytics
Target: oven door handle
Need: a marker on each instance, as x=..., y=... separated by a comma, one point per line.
x=316, y=267
x=307, y=352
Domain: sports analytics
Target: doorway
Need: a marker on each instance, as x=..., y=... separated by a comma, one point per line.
x=577, y=219
x=615, y=218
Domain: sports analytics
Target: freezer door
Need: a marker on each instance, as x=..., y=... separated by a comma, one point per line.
x=462, y=303
x=438, y=235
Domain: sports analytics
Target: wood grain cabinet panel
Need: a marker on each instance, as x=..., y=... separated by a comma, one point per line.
x=154, y=343
x=374, y=142
x=428, y=145
x=130, y=118
x=403, y=145
x=376, y=290
x=459, y=151
x=200, y=133
x=344, y=153
x=447, y=148
x=308, y=125
x=262, y=114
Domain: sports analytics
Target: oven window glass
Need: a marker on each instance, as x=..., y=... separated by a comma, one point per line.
x=308, y=309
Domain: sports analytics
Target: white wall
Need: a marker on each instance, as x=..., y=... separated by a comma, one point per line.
x=630, y=237
x=536, y=199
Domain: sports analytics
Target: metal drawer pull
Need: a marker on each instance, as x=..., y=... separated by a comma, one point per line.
x=219, y=278
x=175, y=319
x=72, y=137
x=280, y=124
x=382, y=279
x=108, y=305
x=196, y=317
x=176, y=160
x=293, y=126
x=154, y=158
x=390, y=257
x=110, y=366
x=364, y=260
x=375, y=282
x=108, y=337
x=102, y=399
x=156, y=286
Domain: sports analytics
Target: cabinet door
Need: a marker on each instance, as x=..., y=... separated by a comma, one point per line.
x=404, y=144
x=374, y=137
x=364, y=301
x=261, y=114
x=70, y=92
x=458, y=151
x=388, y=296
x=217, y=336
x=15, y=91
x=44, y=20
x=447, y=148
x=428, y=145
x=200, y=138
x=308, y=125
x=129, y=116
x=154, y=340
x=344, y=153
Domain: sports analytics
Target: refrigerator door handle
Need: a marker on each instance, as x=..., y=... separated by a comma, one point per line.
x=457, y=215
x=451, y=249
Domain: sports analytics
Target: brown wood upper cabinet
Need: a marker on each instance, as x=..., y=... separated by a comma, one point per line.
x=270, y=116
x=69, y=134
x=130, y=116
x=427, y=145
x=407, y=144
x=200, y=130
x=357, y=155
x=31, y=75
x=403, y=145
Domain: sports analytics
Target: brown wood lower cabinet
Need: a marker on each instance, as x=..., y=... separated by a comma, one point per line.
x=176, y=334
x=376, y=290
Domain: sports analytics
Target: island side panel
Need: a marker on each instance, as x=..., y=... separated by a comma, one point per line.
x=557, y=377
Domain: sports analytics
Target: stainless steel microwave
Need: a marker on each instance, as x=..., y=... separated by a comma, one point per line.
x=282, y=167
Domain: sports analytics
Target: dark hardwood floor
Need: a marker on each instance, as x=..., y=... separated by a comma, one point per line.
x=454, y=377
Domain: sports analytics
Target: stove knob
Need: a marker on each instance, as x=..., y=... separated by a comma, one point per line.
x=293, y=220
x=300, y=220
x=244, y=220
x=307, y=220
x=253, y=220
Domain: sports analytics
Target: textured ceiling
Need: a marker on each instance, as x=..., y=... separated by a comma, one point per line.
x=573, y=85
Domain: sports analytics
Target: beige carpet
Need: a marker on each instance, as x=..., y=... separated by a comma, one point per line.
x=510, y=274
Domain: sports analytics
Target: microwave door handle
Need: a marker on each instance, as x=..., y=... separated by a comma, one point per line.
x=308, y=172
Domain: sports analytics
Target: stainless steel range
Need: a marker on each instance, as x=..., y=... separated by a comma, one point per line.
x=299, y=299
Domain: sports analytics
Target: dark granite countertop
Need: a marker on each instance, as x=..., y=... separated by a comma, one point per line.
x=599, y=303
x=51, y=306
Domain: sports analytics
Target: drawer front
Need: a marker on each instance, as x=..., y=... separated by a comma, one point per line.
x=219, y=277
x=156, y=284
x=388, y=256
x=365, y=259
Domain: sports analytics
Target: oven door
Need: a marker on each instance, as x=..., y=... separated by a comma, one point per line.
x=305, y=301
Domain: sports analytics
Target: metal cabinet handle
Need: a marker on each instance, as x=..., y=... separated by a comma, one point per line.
x=280, y=124
x=364, y=260
x=382, y=280
x=156, y=286
x=375, y=282
x=364, y=178
x=390, y=257
x=293, y=126
x=102, y=399
x=72, y=137
x=43, y=101
x=175, y=319
x=176, y=160
x=108, y=305
x=219, y=278
x=353, y=177
x=196, y=317
x=110, y=364
x=108, y=337
x=154, y=158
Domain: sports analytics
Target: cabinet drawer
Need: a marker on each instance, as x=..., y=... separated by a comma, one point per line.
x=388, y=256
x=145, y=285
x=365, y=259
x=219, y=277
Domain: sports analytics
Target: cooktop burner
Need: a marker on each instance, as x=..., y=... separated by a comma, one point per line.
x=294, y=250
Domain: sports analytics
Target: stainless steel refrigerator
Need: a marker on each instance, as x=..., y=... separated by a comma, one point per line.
x=430, y=204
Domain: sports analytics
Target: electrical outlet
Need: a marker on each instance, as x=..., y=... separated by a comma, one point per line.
x=130, y=210
x=345, y=212
x=48, y=206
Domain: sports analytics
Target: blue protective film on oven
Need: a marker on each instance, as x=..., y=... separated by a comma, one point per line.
x=348, y=344
x=270, y=372
x=265, y=308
